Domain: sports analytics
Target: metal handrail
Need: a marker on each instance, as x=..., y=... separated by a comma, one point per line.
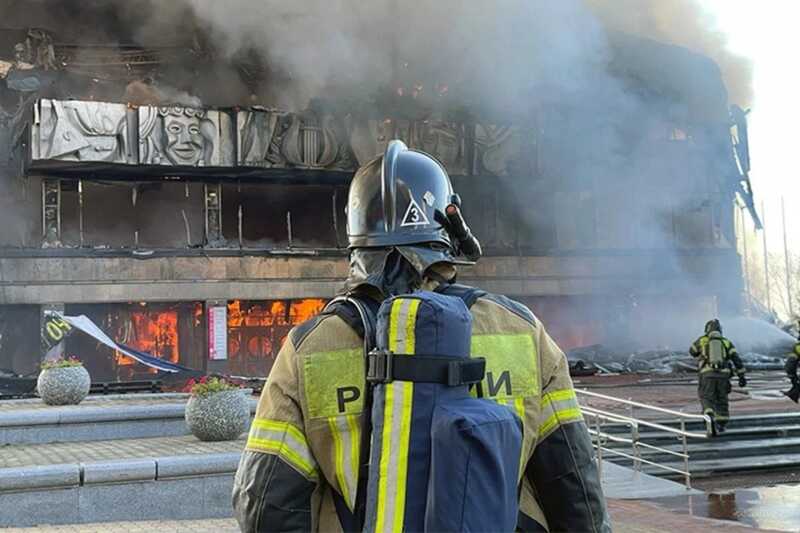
x=638, y=422
x=600, y=415
x=679, y=414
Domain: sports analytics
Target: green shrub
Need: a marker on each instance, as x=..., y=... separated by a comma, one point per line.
x=61, y=362
x=210, y=386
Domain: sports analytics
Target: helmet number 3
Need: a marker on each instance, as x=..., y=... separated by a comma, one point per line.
x=414, y=215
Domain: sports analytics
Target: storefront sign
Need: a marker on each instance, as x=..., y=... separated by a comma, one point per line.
x=218, y=333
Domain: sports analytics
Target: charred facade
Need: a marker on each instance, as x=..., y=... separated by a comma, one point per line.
x=158, y=215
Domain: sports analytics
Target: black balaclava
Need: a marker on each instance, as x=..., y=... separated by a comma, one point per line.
x=393, y=270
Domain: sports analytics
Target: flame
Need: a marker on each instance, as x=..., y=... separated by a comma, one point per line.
x=153, y=332
x=258, y=329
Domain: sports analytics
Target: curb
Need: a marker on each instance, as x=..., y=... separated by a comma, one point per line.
x=120, y=471
x=78, y=414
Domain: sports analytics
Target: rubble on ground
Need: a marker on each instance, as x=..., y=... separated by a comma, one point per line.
x=596, y=358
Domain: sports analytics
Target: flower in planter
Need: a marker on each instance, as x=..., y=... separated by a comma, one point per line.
x=217, y=410
x=63, y=381
x=61, y=362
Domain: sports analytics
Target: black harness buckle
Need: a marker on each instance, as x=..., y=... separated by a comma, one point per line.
x=379, y=366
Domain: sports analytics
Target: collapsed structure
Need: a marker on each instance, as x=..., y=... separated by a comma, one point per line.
x=202, y=233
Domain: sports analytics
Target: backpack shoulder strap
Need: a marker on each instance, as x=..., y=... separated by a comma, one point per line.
x=360, y=314
x=470, y=295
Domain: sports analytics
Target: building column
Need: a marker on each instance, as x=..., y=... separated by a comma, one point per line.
x=51, y=212
x=213, y=213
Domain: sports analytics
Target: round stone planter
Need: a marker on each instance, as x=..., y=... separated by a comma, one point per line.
x=218, y=416
x=67, y=385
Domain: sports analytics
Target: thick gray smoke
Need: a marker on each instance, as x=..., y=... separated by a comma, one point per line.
x=602, y=100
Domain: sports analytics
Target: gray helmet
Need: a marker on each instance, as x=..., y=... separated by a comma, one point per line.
x=394, y=199
x=713, y=325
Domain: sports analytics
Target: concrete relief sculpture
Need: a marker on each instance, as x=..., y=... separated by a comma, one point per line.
x=269, y=138
x=256, y=144
x=444, y=140
x=311, y=141
x=180, y=136
x=496, y=149
x=82, y=131
x=367, y=140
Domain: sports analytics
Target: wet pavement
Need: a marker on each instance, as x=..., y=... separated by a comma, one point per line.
x=774, y=508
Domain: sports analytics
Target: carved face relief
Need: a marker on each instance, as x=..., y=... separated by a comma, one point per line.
x=185, y=142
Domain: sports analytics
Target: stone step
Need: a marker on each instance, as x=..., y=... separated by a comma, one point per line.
x=134, y=479
x=736, y=422
x=703, y=468
x=719, y=448
x=755, y=432
x=123, y=416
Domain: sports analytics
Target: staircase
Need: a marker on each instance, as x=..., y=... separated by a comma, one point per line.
x=111, y=458
x=751, y=442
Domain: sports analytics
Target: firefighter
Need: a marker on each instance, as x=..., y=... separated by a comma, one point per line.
x=791, y=372
x=304, y=468
x=715, y=355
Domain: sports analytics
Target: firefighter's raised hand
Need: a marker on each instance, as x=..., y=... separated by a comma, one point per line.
x=742, y=381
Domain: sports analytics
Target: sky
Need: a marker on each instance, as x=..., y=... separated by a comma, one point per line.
x=766, y=32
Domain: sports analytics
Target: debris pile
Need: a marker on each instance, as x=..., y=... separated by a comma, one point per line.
x=596, y=358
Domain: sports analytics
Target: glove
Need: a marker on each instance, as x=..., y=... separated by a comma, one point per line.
x=742, y=381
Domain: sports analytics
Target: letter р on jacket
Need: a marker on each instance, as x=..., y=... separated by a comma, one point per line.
x=300, y=466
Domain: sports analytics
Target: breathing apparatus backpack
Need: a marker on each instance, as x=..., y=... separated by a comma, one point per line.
x=715, y=351
x=434, y=458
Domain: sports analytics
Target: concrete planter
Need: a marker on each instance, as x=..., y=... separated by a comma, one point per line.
x=63, y=386
x=218, y=416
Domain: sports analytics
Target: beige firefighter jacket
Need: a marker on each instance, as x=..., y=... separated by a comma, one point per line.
x=302, y=452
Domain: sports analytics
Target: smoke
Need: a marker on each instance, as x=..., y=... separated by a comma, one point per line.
x=684, y=23
x=609, y=108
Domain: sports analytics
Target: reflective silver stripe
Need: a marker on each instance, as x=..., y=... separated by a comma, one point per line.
x=284, y=440
x=347, y=457
x=402, y=319
x=393, y=469
x=550, y=405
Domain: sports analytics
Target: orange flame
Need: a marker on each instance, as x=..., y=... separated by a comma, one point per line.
x=258, y=329
x=153, y=332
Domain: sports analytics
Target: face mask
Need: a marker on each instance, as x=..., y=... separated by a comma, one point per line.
x=394, y=270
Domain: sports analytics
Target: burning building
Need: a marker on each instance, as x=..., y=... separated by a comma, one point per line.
x=190, y=199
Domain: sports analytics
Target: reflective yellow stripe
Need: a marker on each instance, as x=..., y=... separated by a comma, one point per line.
x=559, y=395
x=284, y=440
x=338, y=451
x=346, y=435
x=518, y=406
x=386, y=440
x=386, y=437
x=558, y=418
x=396, y=306
x=396, y=422
x=560, y=407
x=718, y=370
x=355, y=447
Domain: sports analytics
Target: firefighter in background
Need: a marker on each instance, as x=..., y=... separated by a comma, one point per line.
x=303, y=468
x=715, y=355
x=791, y=372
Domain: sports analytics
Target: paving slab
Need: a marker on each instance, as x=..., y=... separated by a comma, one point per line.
x=23, y=455
x=624, y=483
x=221, y=525
x=626, y=517
x=108, y=400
